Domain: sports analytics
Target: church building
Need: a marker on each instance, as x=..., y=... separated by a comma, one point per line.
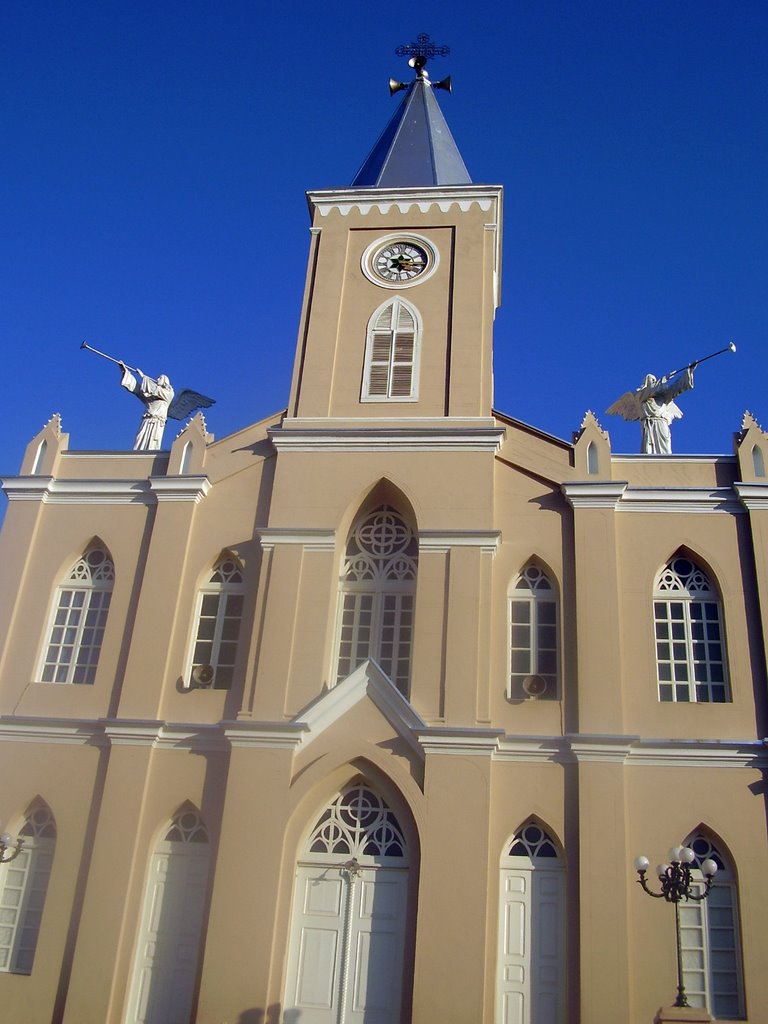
x=361, y=715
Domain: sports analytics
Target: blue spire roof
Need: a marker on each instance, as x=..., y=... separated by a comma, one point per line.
x=416, y=148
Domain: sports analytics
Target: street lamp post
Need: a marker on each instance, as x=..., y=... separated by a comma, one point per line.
x=8, y=848
x=677, y=885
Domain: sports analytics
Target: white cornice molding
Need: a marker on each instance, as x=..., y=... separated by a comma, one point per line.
x=280, y=735
x=368, y=681
x=310, y=539
x=753, y=497
x=700, y=753
x=621, y=497
x=470, y=742
x=391, y=439
x=52, y=491
x=71, y=731
x=441, y=541
x=629, y=458
x=680, y=499
x=533, y=749
x=406, y=200
x=180, y=488
x=599, y=494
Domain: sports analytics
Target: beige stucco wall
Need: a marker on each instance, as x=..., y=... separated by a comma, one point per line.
x=608, y=770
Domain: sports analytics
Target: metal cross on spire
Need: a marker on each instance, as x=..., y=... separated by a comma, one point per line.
x=421, y=51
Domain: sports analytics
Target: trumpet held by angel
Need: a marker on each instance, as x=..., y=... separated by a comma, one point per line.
x=159, y=399
x=653, y=404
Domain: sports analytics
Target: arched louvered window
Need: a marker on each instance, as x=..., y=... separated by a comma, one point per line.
x=534, y=629
x=378, y=589
x=24, y=885
x=391, y=354
x=709, y=934
x=79, y=620
x=690, y=638
x=531, y=944
x=218, y=615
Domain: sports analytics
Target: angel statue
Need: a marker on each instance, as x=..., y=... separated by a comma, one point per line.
x=653, y=404
x=159, y=399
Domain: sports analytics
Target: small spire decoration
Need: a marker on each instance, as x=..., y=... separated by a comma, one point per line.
x=419, y=53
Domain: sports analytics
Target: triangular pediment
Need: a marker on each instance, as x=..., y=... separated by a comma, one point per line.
x=367, y=683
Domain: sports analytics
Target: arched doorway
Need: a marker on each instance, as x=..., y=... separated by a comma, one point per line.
x=531, y=951
x=348, y=925
x=168, y=951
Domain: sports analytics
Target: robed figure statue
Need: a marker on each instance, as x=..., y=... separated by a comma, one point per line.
x=157, y=396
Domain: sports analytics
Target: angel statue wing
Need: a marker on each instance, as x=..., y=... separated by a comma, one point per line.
x=628, y=406
x=186, y=402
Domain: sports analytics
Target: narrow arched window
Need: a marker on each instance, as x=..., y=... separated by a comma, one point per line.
x=79, y=619
x=377, y=593
x=593, y=460
x=531, y=947
x=534, y=628
x=391, y=354
x=24, y=885
x=758, y=462
x=690, y=638
x=709, y=934
x=218, y=614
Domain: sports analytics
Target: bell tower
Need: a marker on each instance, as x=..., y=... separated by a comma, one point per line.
x=403, y=281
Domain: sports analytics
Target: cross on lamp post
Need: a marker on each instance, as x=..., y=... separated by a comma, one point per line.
x=677, y=884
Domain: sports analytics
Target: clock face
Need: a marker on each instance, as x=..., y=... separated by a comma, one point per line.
x=400, y=261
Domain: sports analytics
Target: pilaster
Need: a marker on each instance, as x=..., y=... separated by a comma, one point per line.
x=597, y=598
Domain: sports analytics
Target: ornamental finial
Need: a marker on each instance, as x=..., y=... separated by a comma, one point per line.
x=419, y=53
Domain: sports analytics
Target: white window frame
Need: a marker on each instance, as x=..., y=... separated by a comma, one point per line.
x=685, y=653
x=81, y=580
x=223, y=591
x=379, y=586
x=536, y=594
x=21, y=880
x=396, y=303
x=699, y=917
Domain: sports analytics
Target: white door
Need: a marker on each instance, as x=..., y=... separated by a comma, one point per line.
x=347, y=940
x=531, y=943
x=347, y=937
x=166, y=963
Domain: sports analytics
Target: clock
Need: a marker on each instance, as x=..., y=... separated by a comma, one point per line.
x=399, y=261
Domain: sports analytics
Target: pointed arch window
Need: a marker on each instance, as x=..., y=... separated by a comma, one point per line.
x=79, y=620
x=709, y=931
x=392, y=353
x=360, y=824
x=218, y=615
x=377, y=594
x=23, y=891
x=531, y=947
x=534, y=631
x=690, y=635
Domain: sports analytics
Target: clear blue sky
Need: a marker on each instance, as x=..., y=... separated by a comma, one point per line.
x=155, y=157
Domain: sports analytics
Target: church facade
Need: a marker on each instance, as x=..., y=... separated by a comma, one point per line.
x=360, y=715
